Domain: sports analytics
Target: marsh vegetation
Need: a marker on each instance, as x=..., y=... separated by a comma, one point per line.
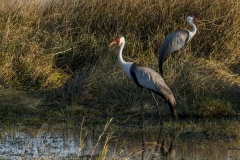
x=55, y=63
x=188, y=139
x=56, y=52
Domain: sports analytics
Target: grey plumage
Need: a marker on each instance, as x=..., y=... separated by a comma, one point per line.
x=145, y=77
x=172, y=43
x=175, y=41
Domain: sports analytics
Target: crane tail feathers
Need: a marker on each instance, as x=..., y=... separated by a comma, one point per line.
x=161, y=70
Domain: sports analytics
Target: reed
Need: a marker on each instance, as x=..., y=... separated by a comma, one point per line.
x=59, y=48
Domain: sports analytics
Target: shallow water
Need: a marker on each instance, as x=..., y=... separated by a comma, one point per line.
x=189, y=140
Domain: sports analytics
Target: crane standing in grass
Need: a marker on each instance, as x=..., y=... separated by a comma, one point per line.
x=175, y=41
x=145, y=77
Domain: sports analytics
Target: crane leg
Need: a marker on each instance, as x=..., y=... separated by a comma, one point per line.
x=181, y=60
x=141, y=91
x=174, y=70
x=159, y=116
x=143, y=142
x=143, y=146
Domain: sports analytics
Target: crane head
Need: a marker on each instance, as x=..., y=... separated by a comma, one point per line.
x=192, y=19
x=118, y=40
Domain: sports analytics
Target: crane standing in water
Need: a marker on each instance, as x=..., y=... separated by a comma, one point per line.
x=175, y=41
x=145, y=77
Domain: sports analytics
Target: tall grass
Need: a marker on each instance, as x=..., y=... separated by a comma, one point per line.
x=60, y=47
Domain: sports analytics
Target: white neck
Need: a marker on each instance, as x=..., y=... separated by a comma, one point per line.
x=124, y=65
x=193, y=32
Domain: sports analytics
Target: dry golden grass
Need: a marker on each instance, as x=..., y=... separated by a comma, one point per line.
x=61, y=47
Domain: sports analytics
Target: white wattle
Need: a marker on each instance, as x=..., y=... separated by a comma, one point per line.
x=193, y=32
x=124, y=65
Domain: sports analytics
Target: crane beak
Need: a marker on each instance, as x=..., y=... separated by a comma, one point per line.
x=196, y=20
x=113, y=42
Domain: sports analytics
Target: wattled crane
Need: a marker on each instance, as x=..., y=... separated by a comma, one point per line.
x=145, y=77
x=175, y=41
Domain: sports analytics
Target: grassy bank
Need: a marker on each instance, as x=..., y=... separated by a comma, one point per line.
x=55, y=54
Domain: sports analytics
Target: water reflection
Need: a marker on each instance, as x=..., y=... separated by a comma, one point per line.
x=45, y=144
x=52, y=142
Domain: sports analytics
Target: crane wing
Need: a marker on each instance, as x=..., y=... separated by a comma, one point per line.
x=150, y=79
x=175, y=41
